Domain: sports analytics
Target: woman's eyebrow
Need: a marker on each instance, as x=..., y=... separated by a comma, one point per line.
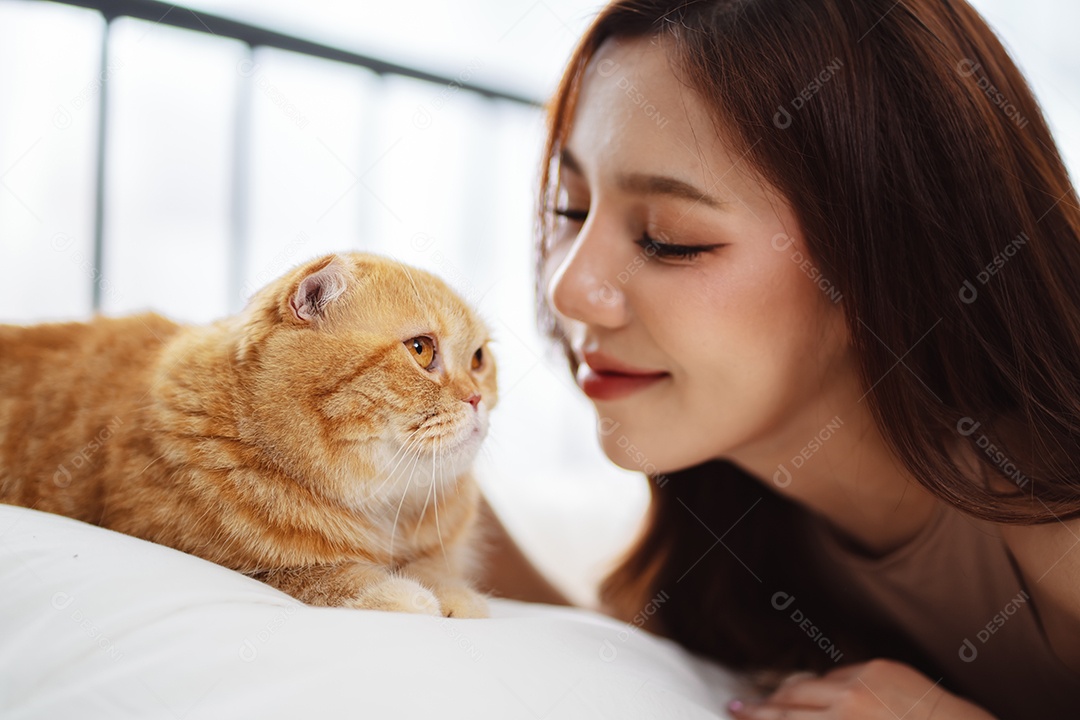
x=661, y=185
x=645, y=184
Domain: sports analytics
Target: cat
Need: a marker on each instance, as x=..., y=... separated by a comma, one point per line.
x=320, y=440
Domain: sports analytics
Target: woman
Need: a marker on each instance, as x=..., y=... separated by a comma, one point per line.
x=815, y=262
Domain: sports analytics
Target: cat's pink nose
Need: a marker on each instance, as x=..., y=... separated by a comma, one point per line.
x=473, y=399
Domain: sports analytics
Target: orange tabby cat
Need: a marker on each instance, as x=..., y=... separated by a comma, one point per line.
x=319, y=441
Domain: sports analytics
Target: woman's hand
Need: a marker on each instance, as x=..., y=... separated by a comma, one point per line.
x=879, y=689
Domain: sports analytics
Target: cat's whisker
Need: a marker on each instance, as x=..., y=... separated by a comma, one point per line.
x=397, y=515
x=416, y=290
x=147, y=466
x=406, y=451
x=427, y=498
x=438, y=530
x=488, y=453
x=409, y=442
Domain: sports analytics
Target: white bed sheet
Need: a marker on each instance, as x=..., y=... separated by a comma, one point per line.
x=95, y=624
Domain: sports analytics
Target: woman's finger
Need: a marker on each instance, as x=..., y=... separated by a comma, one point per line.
x=797, y=677
x=772, y=712
x=814, y=693
x=846, y=672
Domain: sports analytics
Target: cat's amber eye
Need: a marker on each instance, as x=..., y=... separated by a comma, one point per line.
x=478, y=359
x=423, y=350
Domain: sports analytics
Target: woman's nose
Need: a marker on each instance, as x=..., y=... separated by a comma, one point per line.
x=585, y=286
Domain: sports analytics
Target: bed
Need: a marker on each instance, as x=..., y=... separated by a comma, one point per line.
x=96, y=624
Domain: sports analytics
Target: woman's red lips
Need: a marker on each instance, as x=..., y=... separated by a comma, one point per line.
x=604, y=378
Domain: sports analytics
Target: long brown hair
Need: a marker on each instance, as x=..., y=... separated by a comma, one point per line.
x=929, y=190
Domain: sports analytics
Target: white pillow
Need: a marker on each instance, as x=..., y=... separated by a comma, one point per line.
x=95, y=624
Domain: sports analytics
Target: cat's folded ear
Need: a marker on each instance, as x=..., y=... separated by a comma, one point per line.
x=318, y=289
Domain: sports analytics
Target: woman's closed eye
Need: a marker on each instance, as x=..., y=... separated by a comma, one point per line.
x=572, y=215
x=670, y=251
x=651, y=246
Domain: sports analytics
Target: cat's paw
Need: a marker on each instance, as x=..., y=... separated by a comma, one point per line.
x=398, y=595
x=462, y=602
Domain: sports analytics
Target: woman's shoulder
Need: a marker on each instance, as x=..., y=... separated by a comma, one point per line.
x=1048, y=557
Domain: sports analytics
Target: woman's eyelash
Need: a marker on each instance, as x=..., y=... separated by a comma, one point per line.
x=645, y=242
x=575, y=215
x=667, y=250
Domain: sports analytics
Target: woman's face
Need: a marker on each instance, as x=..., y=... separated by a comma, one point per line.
x=683, y=284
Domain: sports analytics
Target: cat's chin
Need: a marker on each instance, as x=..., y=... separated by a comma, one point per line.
x=456, y=455
x=440, y=460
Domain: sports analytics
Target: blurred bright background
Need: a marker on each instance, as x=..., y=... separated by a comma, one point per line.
x=337, y=158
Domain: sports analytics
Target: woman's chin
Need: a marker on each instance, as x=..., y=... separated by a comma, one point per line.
x=628, y=455
x=652, y=458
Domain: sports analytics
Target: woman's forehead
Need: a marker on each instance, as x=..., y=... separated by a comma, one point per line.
x=636, y=115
